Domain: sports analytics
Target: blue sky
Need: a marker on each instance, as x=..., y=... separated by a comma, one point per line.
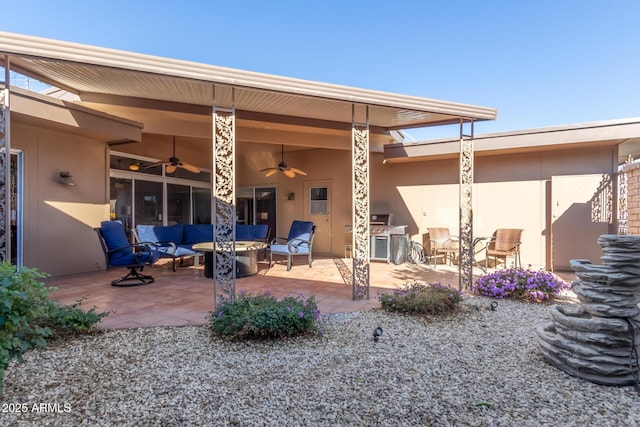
x=541, y=63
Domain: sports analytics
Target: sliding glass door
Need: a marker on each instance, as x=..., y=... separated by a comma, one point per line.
x=256, y=205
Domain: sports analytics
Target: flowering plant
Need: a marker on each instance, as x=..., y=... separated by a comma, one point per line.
x=421, y=298
x=264, y=316
x=519, y=283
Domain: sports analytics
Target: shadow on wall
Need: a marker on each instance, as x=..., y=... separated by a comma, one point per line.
x=574, y=236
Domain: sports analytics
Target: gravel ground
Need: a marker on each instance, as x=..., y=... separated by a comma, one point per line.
x=477, y=368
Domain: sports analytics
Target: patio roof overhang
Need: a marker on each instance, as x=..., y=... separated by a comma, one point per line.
x=625, y=133
x=162, y=93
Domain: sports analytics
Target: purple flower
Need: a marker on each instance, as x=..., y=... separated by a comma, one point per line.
x=301, y=314
x=288, y=308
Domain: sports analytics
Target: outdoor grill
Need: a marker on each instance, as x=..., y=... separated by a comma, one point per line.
x=387, y=242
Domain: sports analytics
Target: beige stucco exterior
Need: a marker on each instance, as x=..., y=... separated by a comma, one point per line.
x=510, y=191
x=524, y=179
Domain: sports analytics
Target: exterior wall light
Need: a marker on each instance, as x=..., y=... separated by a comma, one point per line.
x=66, y=179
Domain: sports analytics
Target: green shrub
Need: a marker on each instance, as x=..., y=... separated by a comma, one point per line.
x=23, y=302
x=28, y=317
x=65, y=320
x=421, y=298
x=264, y=317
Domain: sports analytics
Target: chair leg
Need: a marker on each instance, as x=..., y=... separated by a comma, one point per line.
x=310, y=260
x=133, y=278
x=288, y=262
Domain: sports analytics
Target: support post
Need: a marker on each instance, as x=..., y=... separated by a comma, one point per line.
x=465, y=260
x=5, y=165
x=223, y=194
x=360, y=208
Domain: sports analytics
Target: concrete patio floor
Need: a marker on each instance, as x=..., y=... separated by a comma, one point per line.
x=185, y=297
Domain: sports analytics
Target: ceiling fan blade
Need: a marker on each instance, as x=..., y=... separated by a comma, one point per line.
x=271, y=172
x=289, y=173
x=190, y=167
x=171, y=168
x=298, y=171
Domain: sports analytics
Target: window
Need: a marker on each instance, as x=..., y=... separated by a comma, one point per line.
x=147, y=195
x=318, y=201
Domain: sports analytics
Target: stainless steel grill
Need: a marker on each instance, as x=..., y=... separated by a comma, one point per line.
x=382, y=233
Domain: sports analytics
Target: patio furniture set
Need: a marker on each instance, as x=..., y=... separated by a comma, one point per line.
x=152, y=242
x=505, y=242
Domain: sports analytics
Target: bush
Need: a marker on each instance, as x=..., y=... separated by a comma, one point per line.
x=65, y=320
x=421, y=298
x=23, y=302
x=264, y=317
x=519, y=283
x=28, y=317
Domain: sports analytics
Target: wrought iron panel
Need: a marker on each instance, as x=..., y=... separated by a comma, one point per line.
x=5, y=165
x=466, y=213
x=223, y=193
x=360, y=216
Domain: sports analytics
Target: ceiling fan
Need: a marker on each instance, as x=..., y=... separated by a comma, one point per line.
x=282, y=167
x=174, y=163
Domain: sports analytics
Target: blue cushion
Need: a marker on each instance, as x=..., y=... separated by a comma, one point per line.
x=252, y=232
x=197, y=233
x=300, y=230
x=158, y=233
x=115, y=238
x=185, y=250
x=134, y=259
x=284, y=249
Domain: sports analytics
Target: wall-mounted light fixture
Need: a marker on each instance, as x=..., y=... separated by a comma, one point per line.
x=291, y=196
x=66, y=179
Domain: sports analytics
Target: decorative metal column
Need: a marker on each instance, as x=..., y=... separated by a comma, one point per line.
x=465, y=266
x=360, y=210
x=223, y=195
x=5, y=167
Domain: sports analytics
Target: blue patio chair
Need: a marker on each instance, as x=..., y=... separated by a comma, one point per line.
x=118, y=252
x=298, y=243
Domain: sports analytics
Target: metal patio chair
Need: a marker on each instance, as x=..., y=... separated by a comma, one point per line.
x=299, y=242
x=118, y=252
x=505, y=243
x=439, y=243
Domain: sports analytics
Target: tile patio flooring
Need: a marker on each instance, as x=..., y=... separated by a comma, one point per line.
x=186, y=296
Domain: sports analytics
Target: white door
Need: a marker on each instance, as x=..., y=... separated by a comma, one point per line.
x=578, y=218
x=317, y=208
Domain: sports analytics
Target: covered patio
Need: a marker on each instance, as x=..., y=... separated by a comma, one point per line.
x=186, y=296
x=213, y=111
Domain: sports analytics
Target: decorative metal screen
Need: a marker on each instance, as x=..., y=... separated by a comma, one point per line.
x=466, y=213
x=601, y=202
x=360, y=216
x=223, y=193
x=5, y=166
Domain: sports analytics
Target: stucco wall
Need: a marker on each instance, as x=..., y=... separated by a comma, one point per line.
x=510, y=191
x=58, y=221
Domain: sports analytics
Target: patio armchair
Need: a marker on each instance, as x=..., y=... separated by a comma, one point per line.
x=118, y=252
x=504, y=243
x=438, y=242
x=299, y=242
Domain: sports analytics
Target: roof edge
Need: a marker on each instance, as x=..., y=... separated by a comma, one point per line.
x=17, y=44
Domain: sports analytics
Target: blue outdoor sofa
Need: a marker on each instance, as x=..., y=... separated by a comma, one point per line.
x=176, y=241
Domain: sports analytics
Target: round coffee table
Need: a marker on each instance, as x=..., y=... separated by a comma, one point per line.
x=246, y=256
